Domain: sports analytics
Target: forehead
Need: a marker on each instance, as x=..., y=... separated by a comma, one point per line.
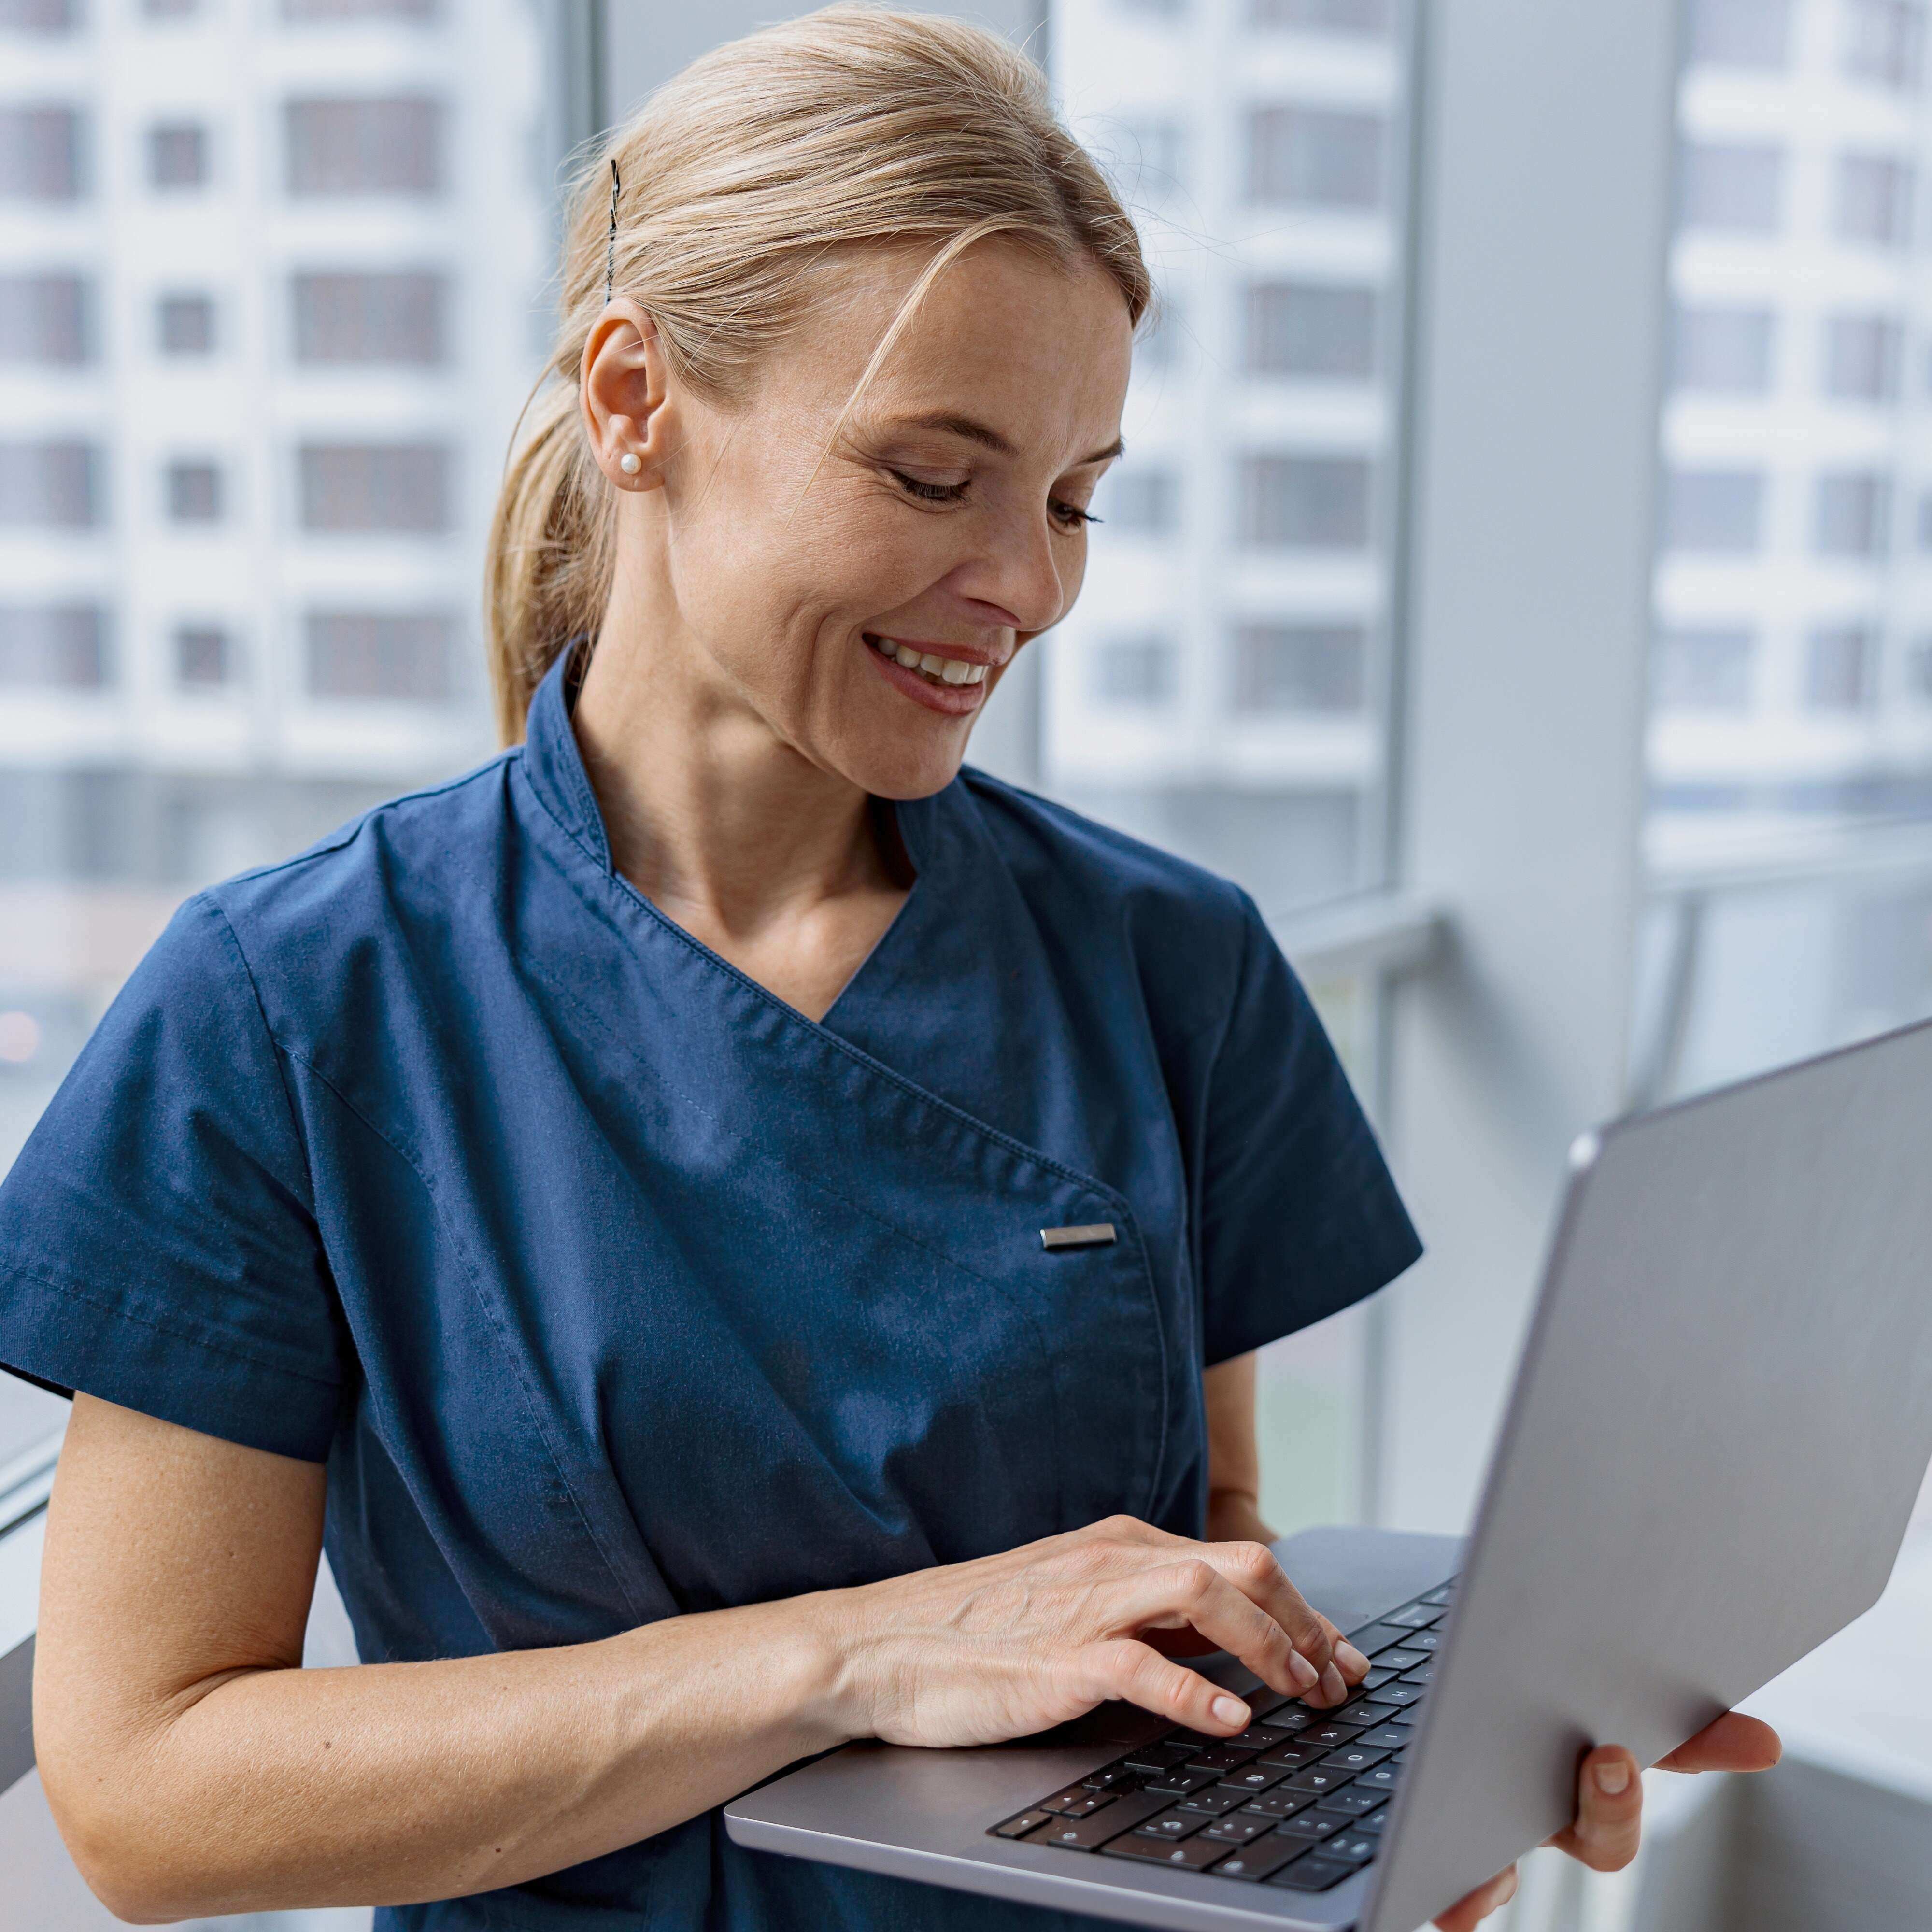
x=1043, y=353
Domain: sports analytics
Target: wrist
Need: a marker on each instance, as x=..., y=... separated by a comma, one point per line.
x=831, y=1696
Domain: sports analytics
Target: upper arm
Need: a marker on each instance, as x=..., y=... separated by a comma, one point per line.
x=173, y=1560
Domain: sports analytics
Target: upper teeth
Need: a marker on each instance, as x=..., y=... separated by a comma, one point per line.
x=954, y=670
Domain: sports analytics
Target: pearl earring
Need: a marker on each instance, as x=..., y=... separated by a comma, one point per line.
x=630, y=463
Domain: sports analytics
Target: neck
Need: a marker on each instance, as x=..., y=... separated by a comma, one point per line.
x=711, y=816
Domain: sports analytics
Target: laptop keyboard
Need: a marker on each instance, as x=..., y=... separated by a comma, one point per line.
x=1298, y=1800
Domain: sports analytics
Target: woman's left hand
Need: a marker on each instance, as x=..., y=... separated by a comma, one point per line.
x=1610, y=1804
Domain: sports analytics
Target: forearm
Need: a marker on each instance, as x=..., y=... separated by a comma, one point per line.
x=391, y=1784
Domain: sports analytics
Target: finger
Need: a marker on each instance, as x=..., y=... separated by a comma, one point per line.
x=1350, y=1661
x=1123, y=1667
x=1252, y=1570
x=1609, y=1811
x=1481, y=1903
x=1734, y=1743
x=1194, y=1593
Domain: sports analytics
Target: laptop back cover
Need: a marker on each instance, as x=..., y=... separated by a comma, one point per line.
x=1720, y=1425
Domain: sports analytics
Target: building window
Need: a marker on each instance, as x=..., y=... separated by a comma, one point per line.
x=1367, y=17
x=374, y=318
x=43, y=319
x=1884, y=42
x=1925, y=522
x=1144, y=502
x=1854, y=514
x=1712, y=510
x=1135, y=670
x=170, y=9
x=379, y=654
x=1733, y=186
x=1149, y=158
x=1721, y=350
x=1862, y=355
x=388, y=146
x=1307, y=668
x=1305, y=503
x=1740, y=33
x=1311, y=329
x=1839, y=663
x=178, y=155
x=41, y=154
x=39, y=16
x=1874, y=200
x=50, y=485
x=1162, y=10
x=1703, y=669
x=63, y=645
x=194, y=491
x=184, y=325
x=204, y=656
x=358, y=10
x=401, y=487
x=1315, y=158
x=1918, y=670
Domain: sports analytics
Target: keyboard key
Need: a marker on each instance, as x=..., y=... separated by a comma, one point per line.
x=1290, y=1757
x=1384, y=1778
x=1310, y=1828
x=1349, y=1802
x=1381, y=1673
x=1313, y=1874
x=1220, y=1757
x=1194, y=1740
x=1257, y=1737
x=1088, y=1834
x=1077, y=1803
x=1214, y=1801
x=1395, y=1662
x=1238, y=1830
x=1181, y=1783
x=1255, y=1777
x=1371, y=1716
x=1423, y=1674
x=1191, y=1854
x=1109, y=1777
x=1291, y=1716
x=1332, y=1734
x=1157, y=1757
x=1387, y=1738
x=1017, y=1828
x=1399, y=1693
x=1379, y=1637
x=1352, y=1848
x=1172, y=1824
x=1372, y=1821
x=1258, y=1860
x=1430, y=1641
x=1421, y=1616
x=1280, y=1804
x=1441, y=1596
x=1355, y=1757
x=1318, y=1779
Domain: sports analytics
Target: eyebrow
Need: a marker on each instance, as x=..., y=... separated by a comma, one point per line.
x=976, y=431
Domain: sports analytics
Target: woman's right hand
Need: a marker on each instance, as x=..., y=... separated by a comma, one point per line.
x=1005, y=1645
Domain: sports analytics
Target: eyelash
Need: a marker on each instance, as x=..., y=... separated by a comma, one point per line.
x=951, y=493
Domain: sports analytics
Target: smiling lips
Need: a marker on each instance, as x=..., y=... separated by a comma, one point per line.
x=935, y=668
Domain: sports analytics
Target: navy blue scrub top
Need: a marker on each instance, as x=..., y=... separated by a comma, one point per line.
x=610, y=1288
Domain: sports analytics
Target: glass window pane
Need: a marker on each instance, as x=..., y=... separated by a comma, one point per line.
x=1740, y=33
x=42, y=154
x=1874, y=200
x=379, y=654
x=1703, y=669
x=1839, y=661
x=1309, y=157
x=1713, y=509
x=1300, y=667
x=1305, y=502
x=1731, y=184
x=1370, y=17
x=185, y=324
x=395, y=487
x=1854, y=514
x=1135, y=670
x=368, y=146
x=1722, y=348
x=1142, y=502
x=1862, y=354
x=1311, y=329
x=1885, y=41
x=44, y=318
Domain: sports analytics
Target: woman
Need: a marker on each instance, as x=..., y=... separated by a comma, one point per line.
x=601, y=1197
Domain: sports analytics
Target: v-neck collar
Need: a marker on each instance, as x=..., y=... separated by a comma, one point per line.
x=554, y=763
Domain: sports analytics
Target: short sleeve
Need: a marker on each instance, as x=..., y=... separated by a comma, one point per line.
x=158, y=1244
x=1300, y=1216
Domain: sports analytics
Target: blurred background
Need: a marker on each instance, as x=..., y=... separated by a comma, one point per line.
x=1520, y=580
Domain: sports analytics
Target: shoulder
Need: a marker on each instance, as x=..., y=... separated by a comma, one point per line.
x=1050, y=845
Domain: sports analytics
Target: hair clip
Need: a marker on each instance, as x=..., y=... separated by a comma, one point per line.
x=611, y=251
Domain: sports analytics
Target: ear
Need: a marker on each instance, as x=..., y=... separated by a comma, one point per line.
x=622, y=392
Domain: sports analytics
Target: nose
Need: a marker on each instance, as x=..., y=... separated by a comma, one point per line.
x=1018, y=572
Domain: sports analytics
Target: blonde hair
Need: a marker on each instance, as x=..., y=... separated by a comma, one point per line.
x=851, y=127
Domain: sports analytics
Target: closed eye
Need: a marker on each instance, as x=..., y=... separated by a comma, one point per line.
x=1069, y=516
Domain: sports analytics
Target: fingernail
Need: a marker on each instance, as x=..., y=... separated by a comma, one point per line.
x=1349, y=1658
x=1333, y=1686
x=1613, y=1777
x=1304, y=1673
x=1231, y=1712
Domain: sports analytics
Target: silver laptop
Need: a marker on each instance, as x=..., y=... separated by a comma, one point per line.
x=1720, y=1423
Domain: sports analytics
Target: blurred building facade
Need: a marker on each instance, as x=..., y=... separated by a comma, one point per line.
x=1224, y=686
x=271, y=281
